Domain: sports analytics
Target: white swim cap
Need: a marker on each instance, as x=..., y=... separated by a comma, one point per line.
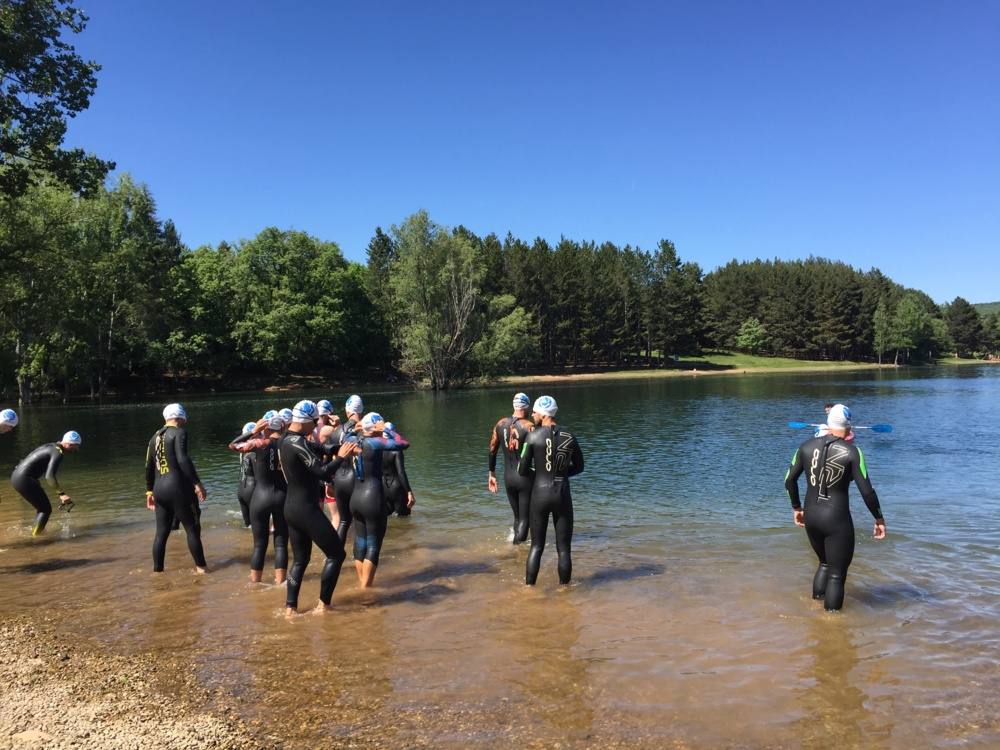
x=269, y=413
x=275, y=422
x=304, y=411
x=546, y=405
x=390, y=427
x=248, y=427
x=324, y=407
x=521, y=401
x=839, y=417
x=8, y=417
x=72, y=437
x=369, y=420
x=286, y=416
x=174, y=411
x=354, y=405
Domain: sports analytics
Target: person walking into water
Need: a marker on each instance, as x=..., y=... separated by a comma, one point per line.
x=832, y=463
x=173, y=488
x=550, y=456
x=44, y=461
x=508, y=435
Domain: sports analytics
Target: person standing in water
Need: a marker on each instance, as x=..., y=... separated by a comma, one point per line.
x=305, y=472
x=173, y=488
x=550, y=456
x=367, y=499
x=833, y=463
x=395, y=484
x=508, y=435
x=267, y=505
x=343, y=480
x=44, y=461
x=247, y=479
x=322, y=436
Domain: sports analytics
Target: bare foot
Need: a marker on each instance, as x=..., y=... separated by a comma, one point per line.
x=290, y=612
x=255, y=576
x=200, y=571
x=321, y=609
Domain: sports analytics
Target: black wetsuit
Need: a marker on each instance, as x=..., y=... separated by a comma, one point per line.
x=44, y=460
x=305, y=473
x=555, y=456
x=368, y=504
x=171, y=476
x=247, y=481
x=832, y=464
x=395, y=483
x=508, y=435
x=267, y=504
x=343, y=479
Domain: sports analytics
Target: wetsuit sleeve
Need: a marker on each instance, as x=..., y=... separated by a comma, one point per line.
x=183, y=459
x=395, y=443
x=55, y=458
x=792, y=479
x=242, y=444
x=576, y=465
x=151, y=464
x=865, y=486
x=397, y=456
x=313, y=463
x=524, y=464
x=494, y=447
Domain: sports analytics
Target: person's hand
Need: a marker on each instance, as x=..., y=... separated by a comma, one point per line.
x=879, y=529
x=150, y=502
x=491, y=483
x=65, y=499
x=334, y=421
x=379, y=426
x=348, y=449
x=410, y=500
x=259, y=427
x=199, y=490
x=800, y=517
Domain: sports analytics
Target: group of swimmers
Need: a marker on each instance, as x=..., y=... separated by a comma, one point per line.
x=295, y=461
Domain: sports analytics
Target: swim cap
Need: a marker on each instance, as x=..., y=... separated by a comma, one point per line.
x=72, y=437
x=286, y=416
x=324, y=407
x=390, y=427
x=521, y=401
x=8, y=416
x=839, y=417
x=354, y=405
x=269, y=413
x=275, y=422
x=546, y=405
x=369, y=420
x=174, y=411
x=248, y=427
x=304, y=411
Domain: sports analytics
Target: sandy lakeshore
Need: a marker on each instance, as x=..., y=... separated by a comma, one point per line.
x=61, y=694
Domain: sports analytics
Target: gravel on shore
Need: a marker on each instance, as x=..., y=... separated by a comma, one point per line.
x=57, y=694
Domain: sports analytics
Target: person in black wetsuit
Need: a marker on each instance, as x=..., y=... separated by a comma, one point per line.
x=305, y=473
x=247, y=479
x=44, y=460
x=173, y=488
x=832, y=464
x=550, y=455
x=267, y=504
x=343, y=480
x=367, y=499
x=322, y=435
x=508, y=433
x=395, y=484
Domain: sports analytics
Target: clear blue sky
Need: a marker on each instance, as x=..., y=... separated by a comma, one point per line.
x=865, y=132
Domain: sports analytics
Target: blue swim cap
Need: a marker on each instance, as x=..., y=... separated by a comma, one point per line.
x=269, y=413
x=390, y=427
x=286, y=416
x=248, y=427
x=304, y=411
x=521, y=401
x=8, y=416
x=324, y=407
x=72, y=437
x=370, y=420
x=275, y=422
x=354, y=405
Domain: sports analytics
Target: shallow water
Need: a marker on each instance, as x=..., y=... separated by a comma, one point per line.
x=689, y=622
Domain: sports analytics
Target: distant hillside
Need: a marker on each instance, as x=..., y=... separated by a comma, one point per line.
x=985, y=308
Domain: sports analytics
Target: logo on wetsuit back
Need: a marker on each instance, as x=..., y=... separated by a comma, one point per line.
x=564, y=452
x=833, y=468
x=161, y=455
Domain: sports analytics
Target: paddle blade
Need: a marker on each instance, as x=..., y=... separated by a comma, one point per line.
x=798, y=425
x=881, y=428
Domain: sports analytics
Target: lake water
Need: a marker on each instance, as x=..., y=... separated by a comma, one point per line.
x=689, y=622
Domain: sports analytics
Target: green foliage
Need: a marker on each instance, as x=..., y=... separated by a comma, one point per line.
x=964, y=326
x=752, y=337
x=43, y=83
